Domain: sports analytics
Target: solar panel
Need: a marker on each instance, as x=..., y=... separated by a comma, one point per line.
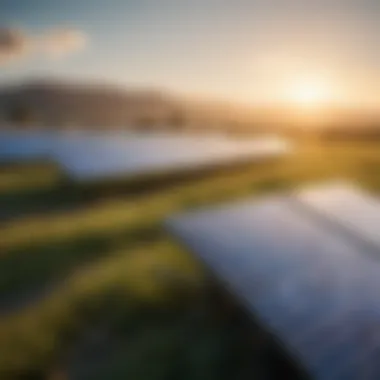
x=351, y=209
x=313, y=289
x=16, y=146
x=136, y=156
x=97, y=156
x=29, y=145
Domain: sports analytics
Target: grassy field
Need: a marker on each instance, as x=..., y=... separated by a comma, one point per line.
x=77, y=277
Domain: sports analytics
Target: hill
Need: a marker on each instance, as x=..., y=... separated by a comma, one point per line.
x=61, y=104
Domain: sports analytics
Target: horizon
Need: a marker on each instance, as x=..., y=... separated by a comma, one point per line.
x=181, y=96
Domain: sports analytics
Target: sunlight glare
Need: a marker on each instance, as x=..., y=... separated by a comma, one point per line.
x=309, y=92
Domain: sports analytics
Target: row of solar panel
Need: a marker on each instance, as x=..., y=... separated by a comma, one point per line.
x=307, y=264
x=87, y=156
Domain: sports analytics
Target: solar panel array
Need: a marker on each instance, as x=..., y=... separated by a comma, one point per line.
x=87, y=156
x=291, y=263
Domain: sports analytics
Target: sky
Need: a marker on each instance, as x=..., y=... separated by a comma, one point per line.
x=241, y=50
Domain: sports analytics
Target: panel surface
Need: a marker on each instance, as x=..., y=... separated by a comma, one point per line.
x=313, y=289
x=97, y=156
x=350, y=208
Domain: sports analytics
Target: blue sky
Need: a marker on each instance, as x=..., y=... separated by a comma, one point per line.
x=233, y=49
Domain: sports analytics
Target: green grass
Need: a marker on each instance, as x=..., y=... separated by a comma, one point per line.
x=25, y=177
x=124, y=280
x=114, y=261
x=116, y=214
x=37, y=249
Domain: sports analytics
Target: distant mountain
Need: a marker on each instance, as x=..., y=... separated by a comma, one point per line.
x=59, y=104
x=55, y=104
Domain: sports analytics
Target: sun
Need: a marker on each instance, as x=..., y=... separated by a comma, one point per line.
x=309, y=92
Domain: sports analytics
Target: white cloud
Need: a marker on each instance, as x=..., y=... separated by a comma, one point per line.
x=59, y=43
x=16, y=44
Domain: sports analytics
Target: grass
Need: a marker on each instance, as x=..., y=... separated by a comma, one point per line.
x=50, y=246
x=25, y=177
x=115, y=214
x=112, y=264
x=128, y=277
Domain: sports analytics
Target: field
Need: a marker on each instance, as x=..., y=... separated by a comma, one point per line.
x=92, y=287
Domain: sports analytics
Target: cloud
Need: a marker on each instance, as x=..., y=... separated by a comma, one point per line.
x=16, y=44
x=60, y=43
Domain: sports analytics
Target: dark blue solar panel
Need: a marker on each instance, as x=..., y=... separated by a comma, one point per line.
x=86, y=156
x=309, y=285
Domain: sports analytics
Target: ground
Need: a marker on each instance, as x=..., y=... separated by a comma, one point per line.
x=98, y=290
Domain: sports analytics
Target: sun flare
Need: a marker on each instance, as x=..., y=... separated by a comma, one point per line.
x=309, y=92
